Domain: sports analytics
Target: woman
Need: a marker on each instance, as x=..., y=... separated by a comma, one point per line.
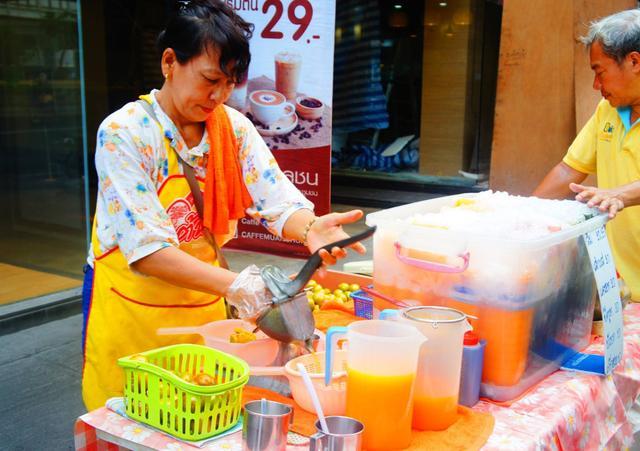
x=151, y=263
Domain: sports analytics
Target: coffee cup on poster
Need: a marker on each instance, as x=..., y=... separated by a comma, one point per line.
x=268, y=106
x=288, y=66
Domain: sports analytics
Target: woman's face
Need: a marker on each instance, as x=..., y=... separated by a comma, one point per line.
x=198, y=86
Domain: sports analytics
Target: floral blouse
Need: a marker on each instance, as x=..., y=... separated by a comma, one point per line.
x=131, y=161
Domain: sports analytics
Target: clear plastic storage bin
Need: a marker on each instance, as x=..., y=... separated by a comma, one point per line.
x=533, y=299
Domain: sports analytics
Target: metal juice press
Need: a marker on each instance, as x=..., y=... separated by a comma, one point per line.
x=289, y=319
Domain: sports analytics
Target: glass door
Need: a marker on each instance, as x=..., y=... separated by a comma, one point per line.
x=42, y=188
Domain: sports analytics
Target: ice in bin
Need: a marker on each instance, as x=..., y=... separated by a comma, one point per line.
x=532, y=290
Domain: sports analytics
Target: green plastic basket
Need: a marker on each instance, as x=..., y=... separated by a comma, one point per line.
x=156, y=394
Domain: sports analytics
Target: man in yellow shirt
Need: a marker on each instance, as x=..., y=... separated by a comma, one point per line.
x=609, y=144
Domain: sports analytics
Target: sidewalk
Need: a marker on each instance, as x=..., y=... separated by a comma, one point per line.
x=40, y=369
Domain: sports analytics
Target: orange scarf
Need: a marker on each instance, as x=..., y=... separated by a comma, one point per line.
x=225, y=194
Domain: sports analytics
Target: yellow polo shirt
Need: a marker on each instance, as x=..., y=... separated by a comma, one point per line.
x=609, y=146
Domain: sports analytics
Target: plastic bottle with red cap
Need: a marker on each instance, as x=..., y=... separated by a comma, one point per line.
x=471, y=374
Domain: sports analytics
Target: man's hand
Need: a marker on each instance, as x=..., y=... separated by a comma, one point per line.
x=611, y=200
x=328, y=229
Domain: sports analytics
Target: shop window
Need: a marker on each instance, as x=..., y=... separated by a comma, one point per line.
x=414, y=89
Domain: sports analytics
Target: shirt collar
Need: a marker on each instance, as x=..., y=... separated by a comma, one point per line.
x=175, y=138
x=625, y=116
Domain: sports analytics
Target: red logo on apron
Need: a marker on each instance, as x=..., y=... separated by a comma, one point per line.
x=185, y=219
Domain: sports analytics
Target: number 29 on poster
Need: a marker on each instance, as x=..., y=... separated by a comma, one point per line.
x=299, y=12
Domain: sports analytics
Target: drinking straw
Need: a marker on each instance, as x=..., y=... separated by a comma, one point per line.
x=314, y=397
x=396, y=302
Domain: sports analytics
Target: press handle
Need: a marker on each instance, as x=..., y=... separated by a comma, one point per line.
x=315, y=260
x=389, y=299
x=431, y=266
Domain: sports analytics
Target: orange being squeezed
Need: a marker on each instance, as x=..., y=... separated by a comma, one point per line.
x=434, y=414
x=384, y=405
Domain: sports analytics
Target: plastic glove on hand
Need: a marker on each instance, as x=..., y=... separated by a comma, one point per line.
x=277, y=282
x=249, y=294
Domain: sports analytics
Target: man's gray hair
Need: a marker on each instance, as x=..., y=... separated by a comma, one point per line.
x=618, y=34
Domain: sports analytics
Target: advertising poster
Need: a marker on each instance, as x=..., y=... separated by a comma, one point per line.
x=288, y=97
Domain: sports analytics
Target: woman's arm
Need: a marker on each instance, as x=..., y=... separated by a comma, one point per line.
x=179, y=268
x=246, y=291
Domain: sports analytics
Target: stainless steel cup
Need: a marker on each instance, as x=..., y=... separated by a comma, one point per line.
x=265, y=426
x=345, y=434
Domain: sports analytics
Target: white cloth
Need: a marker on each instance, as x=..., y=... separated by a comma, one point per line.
x=117, y=405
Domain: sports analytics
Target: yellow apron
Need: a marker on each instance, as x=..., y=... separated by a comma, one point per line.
x=127, y=308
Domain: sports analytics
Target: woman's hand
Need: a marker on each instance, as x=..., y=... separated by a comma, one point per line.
x=249, y=294
x=328, y=229
x=611, y=200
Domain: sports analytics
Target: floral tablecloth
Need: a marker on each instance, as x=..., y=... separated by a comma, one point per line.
x=565, y=411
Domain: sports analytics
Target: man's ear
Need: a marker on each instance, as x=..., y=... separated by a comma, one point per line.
x=634, y=59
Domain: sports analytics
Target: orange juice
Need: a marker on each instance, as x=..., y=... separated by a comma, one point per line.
x=434, y=414
x=384, y=405
x=508, y=333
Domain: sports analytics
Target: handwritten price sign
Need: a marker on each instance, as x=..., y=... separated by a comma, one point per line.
x=607, y=283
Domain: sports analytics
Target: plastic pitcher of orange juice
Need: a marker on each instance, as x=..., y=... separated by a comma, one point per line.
x=382, y=358
x=435, y=404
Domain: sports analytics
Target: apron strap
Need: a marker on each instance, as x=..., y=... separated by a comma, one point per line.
x=195, y=190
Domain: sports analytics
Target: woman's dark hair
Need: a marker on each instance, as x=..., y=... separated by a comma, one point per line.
x=200, y=25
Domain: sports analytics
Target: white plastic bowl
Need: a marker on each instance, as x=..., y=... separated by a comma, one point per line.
x=260, y=352
x=332, y=397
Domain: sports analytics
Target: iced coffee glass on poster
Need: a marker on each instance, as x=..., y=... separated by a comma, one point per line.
x=288, y=66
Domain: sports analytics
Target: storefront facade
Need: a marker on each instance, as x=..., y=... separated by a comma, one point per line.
x=415, y=88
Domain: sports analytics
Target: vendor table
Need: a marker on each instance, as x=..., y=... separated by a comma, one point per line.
x=565, y=411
